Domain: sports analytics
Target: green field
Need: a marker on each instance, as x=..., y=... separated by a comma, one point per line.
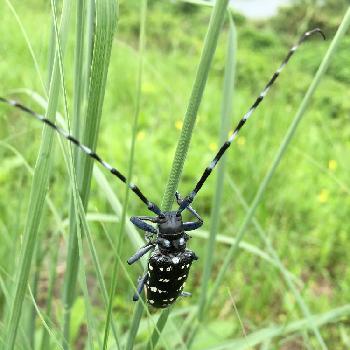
x=287, y=285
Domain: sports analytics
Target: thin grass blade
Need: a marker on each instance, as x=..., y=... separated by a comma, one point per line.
x=37, y=196
x=210, y=43
x=226, y=111
x=103, y=35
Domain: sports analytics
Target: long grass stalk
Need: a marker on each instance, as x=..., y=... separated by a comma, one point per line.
x=135, y=324
x=68, y=153
x=210, y=43
x=103, y=34
x=232, y=253
x=37, y=196
x=226, y=112
x=80, y=81
x=53, y=336
x=140, y=306
x=38, y=258
x=39, y=253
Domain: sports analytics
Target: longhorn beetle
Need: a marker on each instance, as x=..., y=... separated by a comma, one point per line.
x=170, y=260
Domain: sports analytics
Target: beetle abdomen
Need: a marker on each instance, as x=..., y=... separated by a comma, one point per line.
x=167, y=275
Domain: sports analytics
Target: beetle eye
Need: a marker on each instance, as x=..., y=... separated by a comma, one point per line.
x=161, y=218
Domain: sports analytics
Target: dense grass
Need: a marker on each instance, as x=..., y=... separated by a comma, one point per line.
x=303, y=214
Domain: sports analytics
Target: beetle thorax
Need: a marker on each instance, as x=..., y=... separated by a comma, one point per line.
x=171, y=238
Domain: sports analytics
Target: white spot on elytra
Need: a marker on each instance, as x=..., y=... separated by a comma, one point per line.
x=150, y=267
x=163, y=280
x=161, y=269
x=165, y=299
x=175, y=260
x=151, y=301
x=183, y=266
x=188, y=265
x=169, y=268
x=180, y=278
x=153, y=289
x=171, y=299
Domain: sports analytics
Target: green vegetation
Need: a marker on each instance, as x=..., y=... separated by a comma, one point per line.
x=289, y=285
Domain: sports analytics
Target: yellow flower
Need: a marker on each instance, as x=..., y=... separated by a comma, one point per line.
x=332, y=164
x=140, y=135
x=241, y=140
x=213, y=146
x=178, y=124
x=323, y=196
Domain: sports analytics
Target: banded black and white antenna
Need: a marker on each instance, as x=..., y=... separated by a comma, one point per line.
x=88, y=151
x=189, y=199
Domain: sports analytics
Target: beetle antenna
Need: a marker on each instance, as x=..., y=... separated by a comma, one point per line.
x=189, y=199
x=88, y=151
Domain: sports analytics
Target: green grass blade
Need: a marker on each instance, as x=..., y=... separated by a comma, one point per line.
x=80, y=81
x=104, y=30
x=162, y=320
x=283, y=147
x=37, y=197
x=140, y=305
x=265, y=334
x=69, y=161
x=215, y=24
x=135, y=324
x=43, y=321
x=210, y=43
x=249, y=248
x=228, y=92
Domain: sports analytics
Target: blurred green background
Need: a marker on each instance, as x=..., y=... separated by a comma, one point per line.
x=304, y=212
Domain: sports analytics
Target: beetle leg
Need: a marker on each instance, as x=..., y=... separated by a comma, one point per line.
x=141, y=252
x=139, y=223
x=194, y=256
x=190, y=226
x=140, y=284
